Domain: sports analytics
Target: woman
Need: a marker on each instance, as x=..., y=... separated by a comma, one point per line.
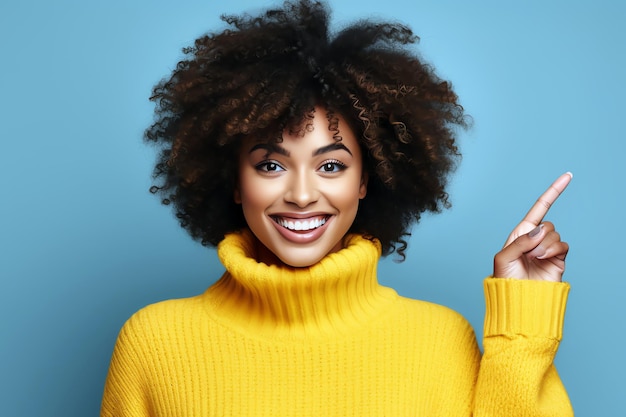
x=305, y=157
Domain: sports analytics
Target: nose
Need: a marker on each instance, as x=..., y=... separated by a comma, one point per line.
x=302, y=189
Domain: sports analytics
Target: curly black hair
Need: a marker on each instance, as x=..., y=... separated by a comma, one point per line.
x=264, y=74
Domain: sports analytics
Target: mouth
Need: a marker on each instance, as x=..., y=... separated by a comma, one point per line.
x=301, y=225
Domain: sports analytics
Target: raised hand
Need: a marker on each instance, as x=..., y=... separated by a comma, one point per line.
x=534, y=250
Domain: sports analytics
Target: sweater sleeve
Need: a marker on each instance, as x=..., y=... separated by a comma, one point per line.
x=523, y=328
x=125, y=393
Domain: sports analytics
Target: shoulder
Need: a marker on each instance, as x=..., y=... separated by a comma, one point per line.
x=437, y=323
x=435, y=313
x=162, y=316
x=442, y=332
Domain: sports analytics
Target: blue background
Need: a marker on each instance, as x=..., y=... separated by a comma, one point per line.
x=84, y=245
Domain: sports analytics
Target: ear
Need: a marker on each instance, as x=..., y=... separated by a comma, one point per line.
x=237, y=194
x=363, y=186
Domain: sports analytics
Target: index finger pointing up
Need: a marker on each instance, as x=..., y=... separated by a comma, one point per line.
x=538, y=211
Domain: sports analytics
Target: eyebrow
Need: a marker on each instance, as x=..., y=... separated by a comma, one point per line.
x=270, y=148
x=331, y=147
x=274, y=148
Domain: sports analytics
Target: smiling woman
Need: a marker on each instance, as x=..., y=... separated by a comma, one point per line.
x=300, y=197
x=305, y=156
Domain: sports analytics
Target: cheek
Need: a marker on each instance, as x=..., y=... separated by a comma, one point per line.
x=249, y=195
x=246, y=186
x=256, y=194
x=348, y=196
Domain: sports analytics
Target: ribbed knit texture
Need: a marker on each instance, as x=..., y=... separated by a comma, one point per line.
x=330, y=341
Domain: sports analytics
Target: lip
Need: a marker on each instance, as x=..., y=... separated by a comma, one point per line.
x=298, y=236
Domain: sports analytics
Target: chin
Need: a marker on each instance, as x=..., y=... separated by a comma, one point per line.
x=301, y=261
x=299, y=257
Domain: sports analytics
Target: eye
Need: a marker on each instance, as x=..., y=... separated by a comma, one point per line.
x=269, y=166
x=332, y=166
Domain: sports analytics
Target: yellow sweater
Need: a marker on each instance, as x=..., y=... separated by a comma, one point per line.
x=330, y=341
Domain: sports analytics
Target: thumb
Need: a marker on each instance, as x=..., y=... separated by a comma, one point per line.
x=517, y=248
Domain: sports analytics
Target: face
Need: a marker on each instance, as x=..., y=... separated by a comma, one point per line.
x=300, y=196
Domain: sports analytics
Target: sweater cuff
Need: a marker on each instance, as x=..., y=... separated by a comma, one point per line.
x=524, y=307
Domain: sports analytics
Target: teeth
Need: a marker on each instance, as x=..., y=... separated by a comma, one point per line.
x=301, y=224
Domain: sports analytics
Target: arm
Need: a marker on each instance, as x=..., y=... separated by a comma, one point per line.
x=524, y=320
x=523, y=327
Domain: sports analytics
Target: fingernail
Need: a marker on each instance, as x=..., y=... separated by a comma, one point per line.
x=535, y=231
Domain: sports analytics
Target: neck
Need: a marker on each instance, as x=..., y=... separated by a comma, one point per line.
x=338, y=293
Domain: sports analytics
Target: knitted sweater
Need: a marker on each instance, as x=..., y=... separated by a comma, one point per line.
x=328, y=340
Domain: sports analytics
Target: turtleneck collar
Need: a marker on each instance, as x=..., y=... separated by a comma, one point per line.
x=339, y=293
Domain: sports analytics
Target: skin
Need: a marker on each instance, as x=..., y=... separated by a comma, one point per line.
x=306, y=178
